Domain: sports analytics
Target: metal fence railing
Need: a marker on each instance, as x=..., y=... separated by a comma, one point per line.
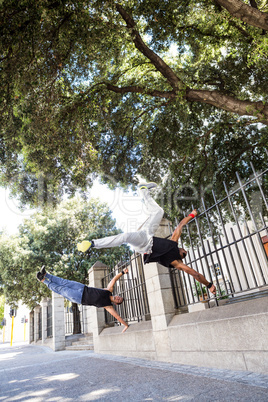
x=40, y=323
x=49, y=319
x=74, y=320
x=227, y=243
x=32, y=326
x=132, y=287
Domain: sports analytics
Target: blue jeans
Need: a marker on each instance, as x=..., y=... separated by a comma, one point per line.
x=71, y=290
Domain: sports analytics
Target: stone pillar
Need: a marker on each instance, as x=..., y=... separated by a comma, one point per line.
x=161, y=304
x=160, y=298
x=36, y=323
x=44, y=319
x=96, y=315
x=58, y=322
x=164, y=229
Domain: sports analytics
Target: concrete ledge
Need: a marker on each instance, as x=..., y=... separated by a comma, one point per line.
x=140, y=326
x=136, y=341
x=245, y=308
x=227, y=337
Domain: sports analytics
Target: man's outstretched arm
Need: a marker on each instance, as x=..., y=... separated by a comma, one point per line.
x=110, y=285
x=112, y=311
x=177, y=232
x=199, y=277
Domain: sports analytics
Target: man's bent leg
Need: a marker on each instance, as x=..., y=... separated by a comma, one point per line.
x=71, y=290
x=156, y=213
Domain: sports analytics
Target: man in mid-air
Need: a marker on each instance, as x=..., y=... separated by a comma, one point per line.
x=154, y=249
x=81, y=294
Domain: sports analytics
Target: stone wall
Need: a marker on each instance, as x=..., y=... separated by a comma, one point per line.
x=229, y=337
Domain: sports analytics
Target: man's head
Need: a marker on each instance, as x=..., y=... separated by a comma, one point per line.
x=182, y=252
x=117, y=299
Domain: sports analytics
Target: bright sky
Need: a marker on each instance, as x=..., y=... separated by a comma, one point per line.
x=126, y=207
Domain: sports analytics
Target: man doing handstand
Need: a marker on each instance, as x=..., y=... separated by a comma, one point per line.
x=81, y=294
x=155, y=249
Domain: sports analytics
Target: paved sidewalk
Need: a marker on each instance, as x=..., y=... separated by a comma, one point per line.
x=36, y=373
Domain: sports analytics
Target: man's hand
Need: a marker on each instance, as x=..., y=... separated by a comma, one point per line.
x=178, y=231
x=213, y=289
x=125, y=328
x=110, y=285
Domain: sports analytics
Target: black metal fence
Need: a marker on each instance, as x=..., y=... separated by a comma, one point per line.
x=31, y=326
x=132, y=287
x=73, y=323
x=227, y=243
x=40, y=323
x=49, y=319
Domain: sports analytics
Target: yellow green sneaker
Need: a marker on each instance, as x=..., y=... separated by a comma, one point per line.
x=147, y=186
x=84, y=246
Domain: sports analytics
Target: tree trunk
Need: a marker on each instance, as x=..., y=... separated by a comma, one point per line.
x=76, y=319
x=242, y=107
x=248, y=14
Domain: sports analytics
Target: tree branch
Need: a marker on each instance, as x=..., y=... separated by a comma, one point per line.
x=160, y=65
x=214, y=98
x=211, y=34
x=240, y=29
x=240, y=153
x=246, y=13
x=229, y=103
x=217, y=99
x=140, y=90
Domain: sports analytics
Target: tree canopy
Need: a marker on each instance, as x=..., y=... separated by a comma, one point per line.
x=168, y=88
x=49, y=238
